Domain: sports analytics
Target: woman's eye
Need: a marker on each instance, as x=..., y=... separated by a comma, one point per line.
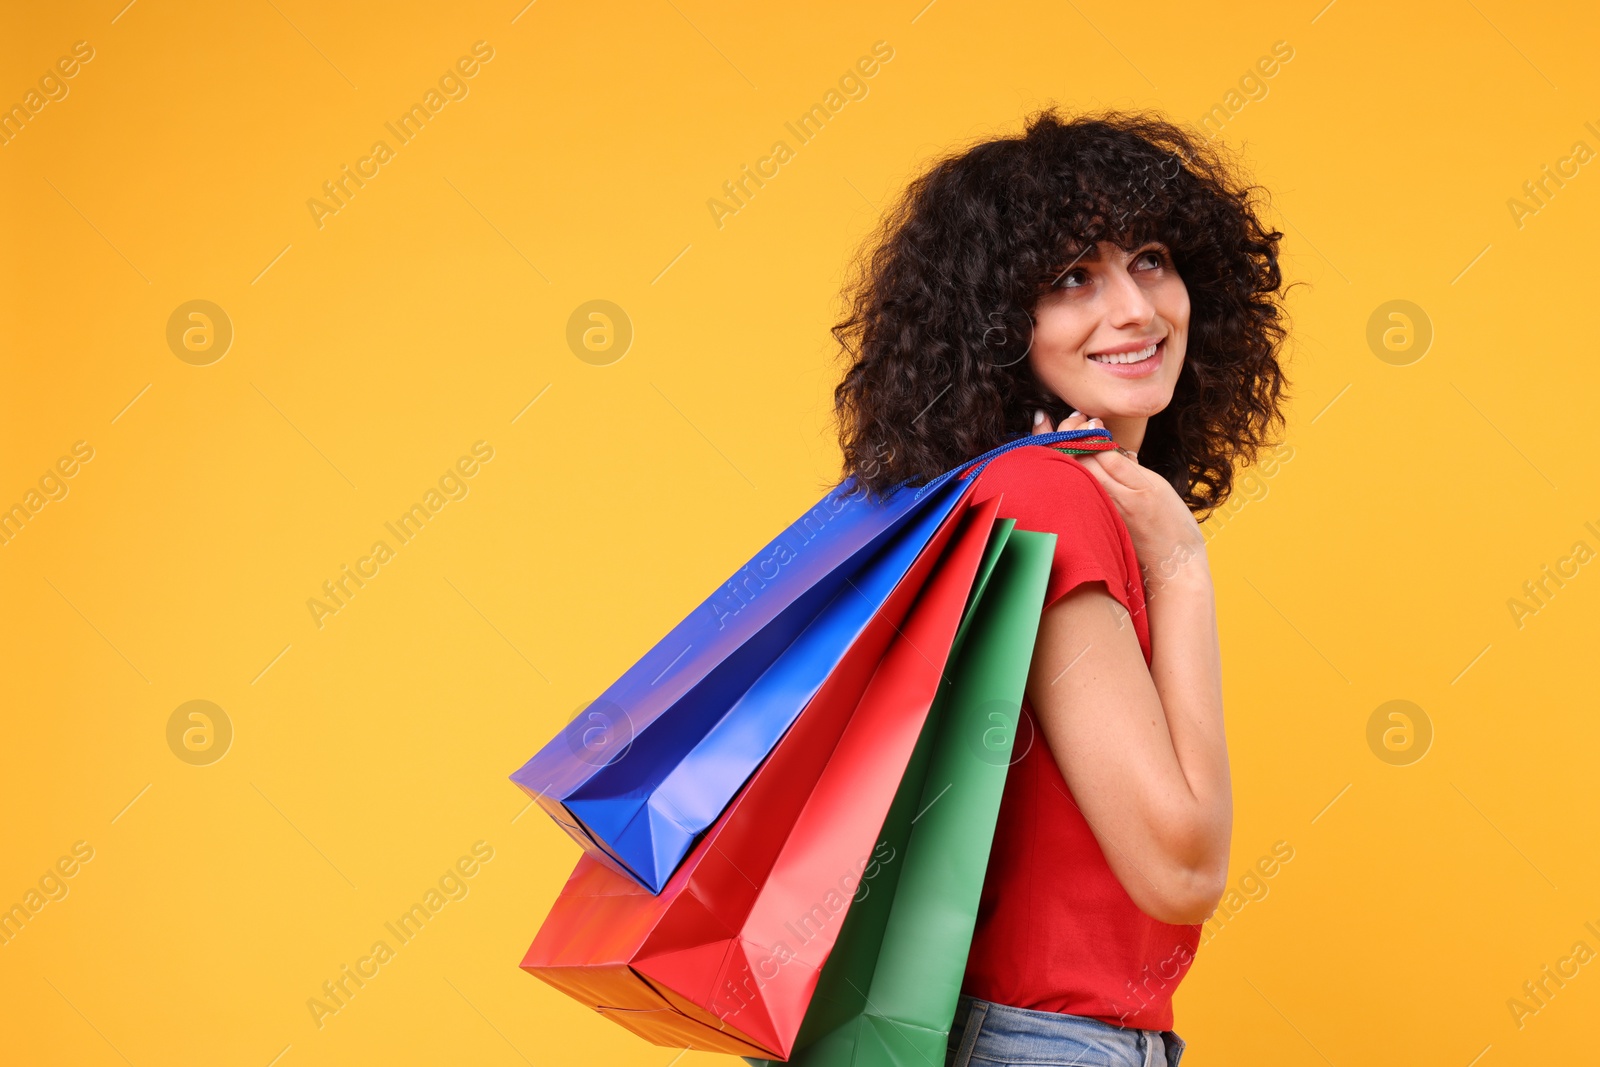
x=1073, y=279
x=1156, y=259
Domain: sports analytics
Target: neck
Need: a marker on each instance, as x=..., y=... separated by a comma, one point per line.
x=1127, y=432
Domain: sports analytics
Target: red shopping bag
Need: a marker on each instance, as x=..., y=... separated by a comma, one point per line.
x=726, y=957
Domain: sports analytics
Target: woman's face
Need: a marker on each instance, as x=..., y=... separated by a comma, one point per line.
x=1094, y=331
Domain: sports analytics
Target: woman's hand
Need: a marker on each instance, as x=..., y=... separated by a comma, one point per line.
x=1164, y=532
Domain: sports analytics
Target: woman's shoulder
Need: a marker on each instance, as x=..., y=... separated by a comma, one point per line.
x=1051, y=492
x=1043, y=469
x=1048, y=488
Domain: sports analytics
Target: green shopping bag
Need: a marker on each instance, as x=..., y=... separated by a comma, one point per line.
x=887, y=995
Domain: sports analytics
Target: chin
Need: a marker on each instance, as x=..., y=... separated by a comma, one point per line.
x=1126, y=407
x=1147, y=411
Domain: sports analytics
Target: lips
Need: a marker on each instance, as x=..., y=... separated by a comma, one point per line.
x=1132, y=364
x=1126, y=356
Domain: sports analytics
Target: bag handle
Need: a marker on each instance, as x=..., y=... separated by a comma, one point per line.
x=1072, y=442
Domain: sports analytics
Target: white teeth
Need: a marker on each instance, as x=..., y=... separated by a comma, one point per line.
x=1128, y=357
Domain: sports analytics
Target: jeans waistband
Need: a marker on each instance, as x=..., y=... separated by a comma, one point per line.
x=1006, y=1034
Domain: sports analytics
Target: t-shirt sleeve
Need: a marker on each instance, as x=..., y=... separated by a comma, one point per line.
x=1051, y=492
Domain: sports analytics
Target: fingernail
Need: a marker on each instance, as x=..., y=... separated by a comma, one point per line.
x=1075, y=413
x=1096, y=422
x=1038, y=417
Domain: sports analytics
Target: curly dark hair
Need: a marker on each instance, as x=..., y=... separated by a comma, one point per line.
x=940, y=310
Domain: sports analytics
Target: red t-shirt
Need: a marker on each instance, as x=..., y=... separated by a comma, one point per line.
x=1056, y=931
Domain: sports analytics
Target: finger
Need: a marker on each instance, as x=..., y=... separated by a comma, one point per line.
x=1112, y=471
x=1041, y=422
x=1075, y=421
x=1097, y=424
x=1120, y=469
x=1083, y=422
x=1114, y=489
x=1091, y=462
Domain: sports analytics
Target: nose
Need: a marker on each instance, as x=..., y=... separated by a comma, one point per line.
x=1127, y=304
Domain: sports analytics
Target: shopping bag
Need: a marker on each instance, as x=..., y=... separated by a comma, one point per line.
x=887, y=995
x=721, y=677
x=649, y=806
x=640, y=774
x=726, y=956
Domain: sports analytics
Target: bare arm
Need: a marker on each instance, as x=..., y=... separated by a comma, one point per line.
x=1143, y=749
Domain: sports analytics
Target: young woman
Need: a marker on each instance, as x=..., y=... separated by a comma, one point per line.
x=1109, y=270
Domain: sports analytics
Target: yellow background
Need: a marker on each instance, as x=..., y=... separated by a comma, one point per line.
x=369, y=754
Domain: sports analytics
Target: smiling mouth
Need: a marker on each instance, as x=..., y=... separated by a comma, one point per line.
x=1128, y=357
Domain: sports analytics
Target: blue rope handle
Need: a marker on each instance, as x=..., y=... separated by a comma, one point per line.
x=978, y=463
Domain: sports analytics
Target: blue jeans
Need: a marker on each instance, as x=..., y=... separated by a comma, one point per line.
x=987, y=1035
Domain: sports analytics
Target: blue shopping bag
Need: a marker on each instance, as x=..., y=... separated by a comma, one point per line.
x=652, y=762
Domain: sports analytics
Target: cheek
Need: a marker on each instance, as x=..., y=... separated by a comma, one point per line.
x=1058, y=331
x=1174, y=304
